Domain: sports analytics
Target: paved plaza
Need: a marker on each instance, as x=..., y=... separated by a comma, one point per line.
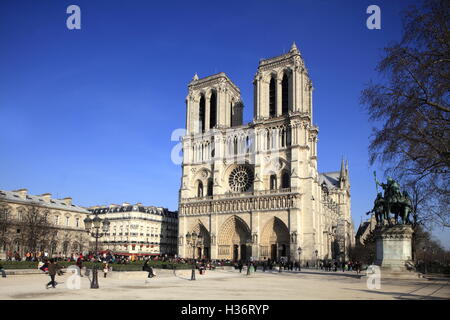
x=225, y=284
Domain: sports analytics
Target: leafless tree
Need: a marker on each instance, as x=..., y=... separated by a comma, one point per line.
x=413, y=107
x=36, y=227
x=5, y=225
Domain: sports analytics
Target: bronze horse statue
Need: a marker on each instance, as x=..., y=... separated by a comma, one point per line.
x=393, y=201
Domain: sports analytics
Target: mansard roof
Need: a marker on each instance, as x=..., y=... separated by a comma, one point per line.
x=133, y=208
x=39, y=200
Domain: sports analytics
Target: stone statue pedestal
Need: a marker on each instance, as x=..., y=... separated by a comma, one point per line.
x=394, y=251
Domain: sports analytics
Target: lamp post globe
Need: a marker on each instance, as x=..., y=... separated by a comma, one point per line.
x=87, y=224
x=97, y=222
x=106, y=225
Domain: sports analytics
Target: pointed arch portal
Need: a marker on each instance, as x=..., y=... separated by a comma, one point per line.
x=275, y=239
x=233, y=241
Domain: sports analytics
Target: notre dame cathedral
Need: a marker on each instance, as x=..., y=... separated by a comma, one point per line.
x=253, y=191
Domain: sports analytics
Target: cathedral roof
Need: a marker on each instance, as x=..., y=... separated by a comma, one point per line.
x=331, y=179
x=362, y=228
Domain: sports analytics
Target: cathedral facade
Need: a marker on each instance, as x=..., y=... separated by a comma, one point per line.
x=253, y=191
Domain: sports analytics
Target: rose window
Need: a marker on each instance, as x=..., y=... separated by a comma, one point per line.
x=241, y=179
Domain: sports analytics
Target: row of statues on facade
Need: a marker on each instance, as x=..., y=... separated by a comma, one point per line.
x=392, y=201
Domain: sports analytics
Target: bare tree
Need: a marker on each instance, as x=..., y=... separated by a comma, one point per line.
x=413, y=105
x=36, y=227
x=5, y=224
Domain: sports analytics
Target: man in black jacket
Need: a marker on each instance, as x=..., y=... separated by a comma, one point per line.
x=53, y=269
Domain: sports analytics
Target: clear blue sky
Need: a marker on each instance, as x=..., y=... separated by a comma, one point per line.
x=89, y=113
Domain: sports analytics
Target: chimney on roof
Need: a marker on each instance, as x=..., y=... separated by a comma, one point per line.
x=46, y=196
x=22, y=192
x=67, y=200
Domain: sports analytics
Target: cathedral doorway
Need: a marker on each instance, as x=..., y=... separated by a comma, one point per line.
x=275, y=239
x=273, y=252
x=201, y=251
x=235, y=252
x=243, y=252
x=283, y=250
x=233, y=237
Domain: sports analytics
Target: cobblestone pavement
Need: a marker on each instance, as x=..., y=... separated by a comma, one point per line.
x=221, y=284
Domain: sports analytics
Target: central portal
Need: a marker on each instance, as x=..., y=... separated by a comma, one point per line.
x=233, y=237
x=273, y=252
x=235, y=252
x=243, y=252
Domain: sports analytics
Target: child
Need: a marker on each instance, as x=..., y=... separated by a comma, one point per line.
x=105, y=269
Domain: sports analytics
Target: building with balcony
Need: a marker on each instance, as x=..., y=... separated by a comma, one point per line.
x=138, y=230
x=254, y=191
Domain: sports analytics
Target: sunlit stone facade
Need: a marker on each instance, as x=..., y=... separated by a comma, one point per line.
x=254, y=190
x=66, y=235
x=138, y=230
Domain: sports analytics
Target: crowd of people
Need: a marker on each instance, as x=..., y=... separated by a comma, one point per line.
x=51, y=267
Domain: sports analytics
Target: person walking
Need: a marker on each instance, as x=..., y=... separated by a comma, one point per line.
x=53, y=268
x=79, y=264
x=149, y=269
x=105, y=269
x=240, y=266
x=2, y=271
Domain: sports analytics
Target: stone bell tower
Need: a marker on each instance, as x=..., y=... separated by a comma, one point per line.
x=212, y=102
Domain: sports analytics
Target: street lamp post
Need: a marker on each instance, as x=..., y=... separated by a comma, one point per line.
x=248, y=247
x=299, y=250
x=425, y=258
x=92, y=227
x=317, y=259
x=194, y=241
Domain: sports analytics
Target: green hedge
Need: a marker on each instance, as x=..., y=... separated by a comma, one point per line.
x=133, y=266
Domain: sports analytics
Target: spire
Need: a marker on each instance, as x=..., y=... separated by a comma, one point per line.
x=294, y=47
x=342, y=175
x=342, y=172
x=195, y=77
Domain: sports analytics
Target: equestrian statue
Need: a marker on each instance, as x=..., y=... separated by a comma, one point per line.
x=393, y=201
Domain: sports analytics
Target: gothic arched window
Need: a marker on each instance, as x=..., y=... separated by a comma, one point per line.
x=283, y=137
x=210, y=188
x=285, y=180
x=213, y=110
x=272, y=109
x=200, y=189
x=284, y=94
x=201, y=113
x=273, y=182
x=231, y=114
